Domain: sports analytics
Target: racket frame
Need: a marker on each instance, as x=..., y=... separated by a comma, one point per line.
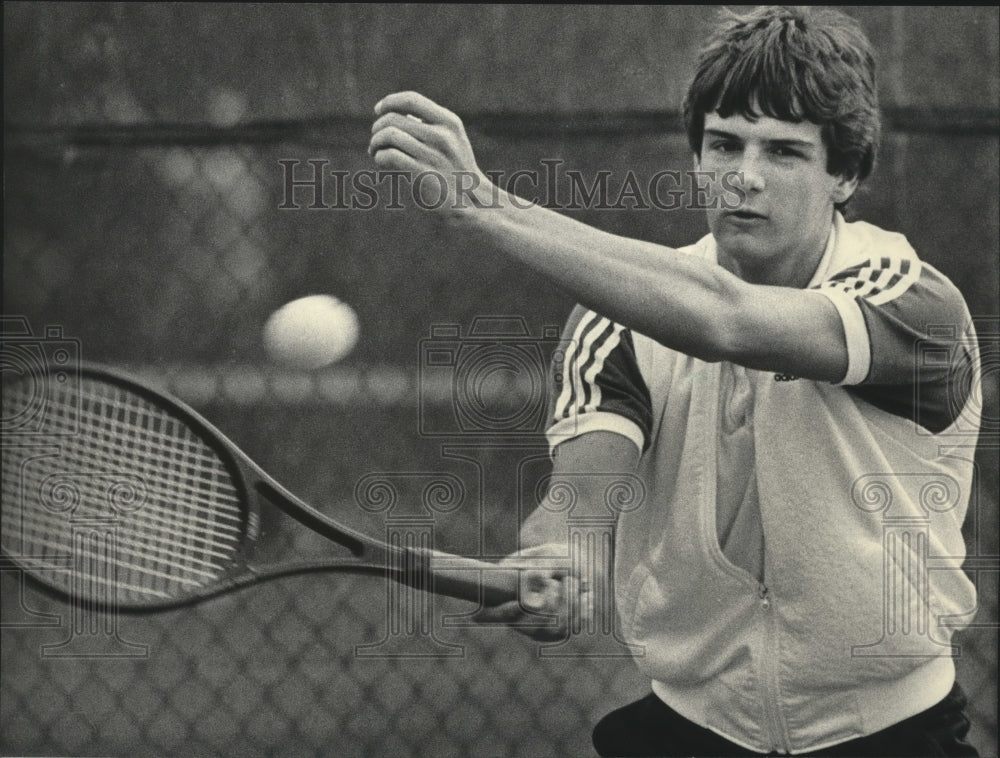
x=456, y=576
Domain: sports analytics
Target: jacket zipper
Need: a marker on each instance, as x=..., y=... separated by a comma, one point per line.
x=771, y=698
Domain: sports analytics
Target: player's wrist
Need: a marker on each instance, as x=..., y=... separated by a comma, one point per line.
x=492, y=212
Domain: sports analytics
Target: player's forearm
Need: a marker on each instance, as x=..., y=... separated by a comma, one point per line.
x=589, y=471
x=680, y=301
x=545, y=526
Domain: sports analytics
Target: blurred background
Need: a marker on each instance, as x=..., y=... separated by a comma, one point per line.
x=148, y=220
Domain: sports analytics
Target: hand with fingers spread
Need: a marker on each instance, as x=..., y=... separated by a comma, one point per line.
x=415, y=135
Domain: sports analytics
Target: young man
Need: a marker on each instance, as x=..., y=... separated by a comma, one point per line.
x=766, y=385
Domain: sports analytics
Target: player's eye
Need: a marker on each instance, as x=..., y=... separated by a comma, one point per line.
x=786, y=152
x=724, y=146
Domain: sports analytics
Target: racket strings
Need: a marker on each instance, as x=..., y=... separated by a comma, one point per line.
x=123, y=443
x=124, y=487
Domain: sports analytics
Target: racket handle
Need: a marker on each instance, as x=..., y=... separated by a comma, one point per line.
x=473, y=580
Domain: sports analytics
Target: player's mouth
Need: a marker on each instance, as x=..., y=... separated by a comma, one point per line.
x=744, y=216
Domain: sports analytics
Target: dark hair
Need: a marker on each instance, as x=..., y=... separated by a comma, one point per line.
x=795, y=65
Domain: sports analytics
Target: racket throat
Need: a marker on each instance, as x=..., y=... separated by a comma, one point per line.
x=309, y=517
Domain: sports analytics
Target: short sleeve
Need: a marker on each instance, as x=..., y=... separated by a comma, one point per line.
x=597, y=384
x=907, y=329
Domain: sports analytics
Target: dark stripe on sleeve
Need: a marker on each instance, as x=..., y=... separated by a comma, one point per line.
x=623, y=390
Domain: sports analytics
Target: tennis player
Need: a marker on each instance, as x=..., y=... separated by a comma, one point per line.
x=792, y=388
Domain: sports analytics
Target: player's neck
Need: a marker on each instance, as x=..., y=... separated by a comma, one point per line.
x=795, y=270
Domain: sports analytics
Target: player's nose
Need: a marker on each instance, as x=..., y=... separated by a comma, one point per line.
x=751, y=172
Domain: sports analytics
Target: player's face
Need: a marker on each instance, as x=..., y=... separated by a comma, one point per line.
x=774, y=173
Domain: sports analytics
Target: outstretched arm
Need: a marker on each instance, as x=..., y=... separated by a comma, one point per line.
x=687, y=304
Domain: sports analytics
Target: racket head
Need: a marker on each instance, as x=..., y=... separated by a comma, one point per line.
x=120, y=497
x=116, y=495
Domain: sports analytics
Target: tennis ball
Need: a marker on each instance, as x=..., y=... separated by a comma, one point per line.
x=311, y=332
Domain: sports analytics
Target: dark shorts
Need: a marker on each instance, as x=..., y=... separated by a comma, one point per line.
x=648, y=727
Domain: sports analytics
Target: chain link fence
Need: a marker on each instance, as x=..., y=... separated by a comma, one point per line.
x=157, y=209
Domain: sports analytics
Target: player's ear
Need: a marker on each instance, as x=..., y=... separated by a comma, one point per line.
x=843, y=188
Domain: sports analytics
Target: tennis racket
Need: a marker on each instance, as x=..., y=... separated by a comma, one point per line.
x=116, y=494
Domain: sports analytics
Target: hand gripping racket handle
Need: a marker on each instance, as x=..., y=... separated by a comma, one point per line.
x=493, y=583
x=471, y=579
